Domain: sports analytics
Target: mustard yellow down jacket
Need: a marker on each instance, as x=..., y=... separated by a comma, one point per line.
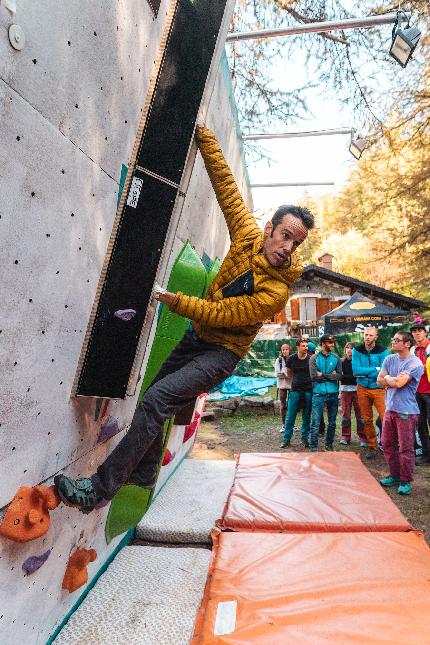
x=247, y=290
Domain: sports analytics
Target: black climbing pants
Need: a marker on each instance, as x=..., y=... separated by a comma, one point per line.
x=193, y=367
x=423, y=401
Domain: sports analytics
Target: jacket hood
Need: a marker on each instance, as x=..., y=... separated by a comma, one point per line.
x=378, y=349
x=287, y=273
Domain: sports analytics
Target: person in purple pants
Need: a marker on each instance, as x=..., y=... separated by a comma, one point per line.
x=399, y=375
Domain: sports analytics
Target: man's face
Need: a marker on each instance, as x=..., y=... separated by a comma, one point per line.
x=327, y=346
x=303, y=347
x=370, y=336
x=398, y=344
x=419, y=335
x=279, y=243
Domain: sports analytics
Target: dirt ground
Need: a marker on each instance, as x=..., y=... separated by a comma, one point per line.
x=258, y=431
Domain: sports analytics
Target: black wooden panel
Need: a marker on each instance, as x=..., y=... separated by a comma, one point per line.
x=170, y=124
x=131, y=274
x=144, y=222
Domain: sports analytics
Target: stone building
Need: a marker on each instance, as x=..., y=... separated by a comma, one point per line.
x=320, y=290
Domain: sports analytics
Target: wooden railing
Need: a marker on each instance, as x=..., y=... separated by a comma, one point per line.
x=309, y=329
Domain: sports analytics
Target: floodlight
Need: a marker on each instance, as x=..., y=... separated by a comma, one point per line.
x=357, y=146
x=404, y=42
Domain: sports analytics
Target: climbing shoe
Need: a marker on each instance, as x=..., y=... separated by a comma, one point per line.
x=389, y=481
x=363, y=444
x=344, y=442
x=404, y=488
x=79, y=493
x=329, y=447
x=285, y=444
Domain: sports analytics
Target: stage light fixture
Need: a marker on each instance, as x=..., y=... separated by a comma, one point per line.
x=404, y=41
x=357, y=146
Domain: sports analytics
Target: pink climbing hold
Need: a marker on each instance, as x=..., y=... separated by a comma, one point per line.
x=108, y=430
x=168, y=457
x=125, y=314
x=192, y=427
x=34, y=562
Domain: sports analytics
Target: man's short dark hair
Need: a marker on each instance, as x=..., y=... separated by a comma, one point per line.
x=298, y=211
x=406, y=336
x=301, y=340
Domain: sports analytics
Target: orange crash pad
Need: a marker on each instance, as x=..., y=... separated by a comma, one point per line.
x=316, y=589
x=320, y=491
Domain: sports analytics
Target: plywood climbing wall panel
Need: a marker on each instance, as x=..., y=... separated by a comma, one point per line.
x=86, y=70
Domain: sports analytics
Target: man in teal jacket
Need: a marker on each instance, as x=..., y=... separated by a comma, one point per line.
x=367, y=361
x=326, y=371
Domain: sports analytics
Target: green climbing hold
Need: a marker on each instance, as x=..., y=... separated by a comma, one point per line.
x=189, y=276
x=126, y=510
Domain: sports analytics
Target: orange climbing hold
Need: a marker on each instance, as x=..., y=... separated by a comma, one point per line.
x=27, y=517
x=76, y=572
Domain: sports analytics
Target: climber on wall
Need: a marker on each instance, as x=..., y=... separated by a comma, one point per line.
x=251, y=286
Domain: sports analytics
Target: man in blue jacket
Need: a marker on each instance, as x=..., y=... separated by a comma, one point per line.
x=367, y=360
x=326, y=371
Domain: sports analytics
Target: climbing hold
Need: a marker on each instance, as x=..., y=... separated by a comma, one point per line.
x=168, y=457
x=76, y=573
x=108, y=430
x=125, y=314
x=192, y=427
x=27, y=517
x=34, y=562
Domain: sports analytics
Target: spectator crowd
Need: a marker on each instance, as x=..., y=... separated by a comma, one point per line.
x=370, y=381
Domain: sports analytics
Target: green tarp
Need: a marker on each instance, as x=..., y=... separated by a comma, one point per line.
x=260, y=360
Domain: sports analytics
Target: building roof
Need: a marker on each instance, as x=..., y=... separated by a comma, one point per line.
x=399, y=299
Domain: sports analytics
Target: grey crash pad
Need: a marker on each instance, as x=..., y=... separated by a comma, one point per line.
x=187, y=507
x=148, y=596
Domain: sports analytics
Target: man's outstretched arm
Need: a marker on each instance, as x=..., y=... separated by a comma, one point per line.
x=237, y=216
x=229, y=312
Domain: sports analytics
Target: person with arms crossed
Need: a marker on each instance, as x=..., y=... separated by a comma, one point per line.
x=400, y=375
x=251, y=286
x=326, y=371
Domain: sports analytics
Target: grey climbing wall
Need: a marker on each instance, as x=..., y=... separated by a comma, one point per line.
x=70, y=105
